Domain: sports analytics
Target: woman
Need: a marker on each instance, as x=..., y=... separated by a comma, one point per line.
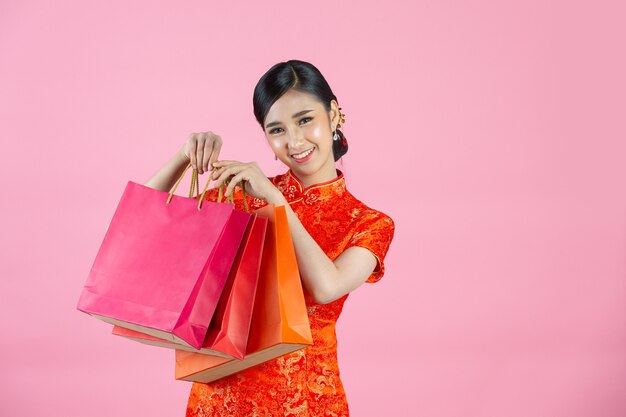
x=340, y=243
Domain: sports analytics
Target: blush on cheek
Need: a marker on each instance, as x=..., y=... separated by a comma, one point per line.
x=316, y=132
x=274, y=144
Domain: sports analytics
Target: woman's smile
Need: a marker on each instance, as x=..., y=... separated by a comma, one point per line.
x=303, y=156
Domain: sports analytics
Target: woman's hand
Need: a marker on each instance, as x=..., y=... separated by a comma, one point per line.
x=256, y=183
x=202, y=149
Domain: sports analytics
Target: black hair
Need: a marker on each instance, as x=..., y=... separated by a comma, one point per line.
x=300, y=76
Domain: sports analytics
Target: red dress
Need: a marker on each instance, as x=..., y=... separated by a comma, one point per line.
x=305, y=382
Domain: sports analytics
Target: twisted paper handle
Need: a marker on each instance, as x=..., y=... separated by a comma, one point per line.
x=195, y=183
x=231, y=198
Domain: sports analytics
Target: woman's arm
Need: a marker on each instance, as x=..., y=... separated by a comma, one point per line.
x=169, y=173
x=324, y=279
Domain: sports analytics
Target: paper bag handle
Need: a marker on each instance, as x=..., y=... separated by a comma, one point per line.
x=195, y=183
x=231, y=198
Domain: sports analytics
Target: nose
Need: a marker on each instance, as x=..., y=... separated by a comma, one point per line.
x=296, y=138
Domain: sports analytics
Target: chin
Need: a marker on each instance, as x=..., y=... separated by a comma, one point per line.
x=298, y=168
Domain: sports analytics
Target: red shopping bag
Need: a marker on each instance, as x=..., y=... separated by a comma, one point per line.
x=228, y=332
x=280, y=323
x=163, y=263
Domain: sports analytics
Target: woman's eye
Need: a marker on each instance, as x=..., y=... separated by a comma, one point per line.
x=276, y=129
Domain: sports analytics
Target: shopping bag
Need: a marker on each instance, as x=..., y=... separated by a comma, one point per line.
x=280, y=323
x=163, y=263
x=228, y=331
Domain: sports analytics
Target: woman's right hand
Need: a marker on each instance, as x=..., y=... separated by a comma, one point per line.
x=202, y=149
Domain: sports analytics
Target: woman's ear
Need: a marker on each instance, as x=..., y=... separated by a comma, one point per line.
x=334, y=114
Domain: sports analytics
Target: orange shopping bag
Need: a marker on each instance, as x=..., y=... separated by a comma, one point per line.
x=280, y=323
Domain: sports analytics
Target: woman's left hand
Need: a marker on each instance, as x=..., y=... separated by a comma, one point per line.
x=257, y=184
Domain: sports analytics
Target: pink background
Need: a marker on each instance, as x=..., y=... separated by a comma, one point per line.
x=491, y=132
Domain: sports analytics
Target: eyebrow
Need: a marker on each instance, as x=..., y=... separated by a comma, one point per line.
x=300, y=113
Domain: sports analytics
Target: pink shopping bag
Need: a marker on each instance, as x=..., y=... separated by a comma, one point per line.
x=163, y=263
x=228, y=331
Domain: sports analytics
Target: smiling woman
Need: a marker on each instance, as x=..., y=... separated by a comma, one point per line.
x=340, y=243
x=302, y=139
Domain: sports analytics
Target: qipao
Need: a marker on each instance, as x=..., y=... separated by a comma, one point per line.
x=305, y=383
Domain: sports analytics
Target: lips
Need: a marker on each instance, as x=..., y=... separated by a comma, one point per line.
x=302, y=155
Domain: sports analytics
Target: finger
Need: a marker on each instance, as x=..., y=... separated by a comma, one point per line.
x=208, y=150
x=200, y=150
x=217, y=172
x=192, y=150
x=217, y=147
x=234, y=181
x=227, y=172
x=187, y=146
x=219, y=169
x=241, y=165
x=225, y=162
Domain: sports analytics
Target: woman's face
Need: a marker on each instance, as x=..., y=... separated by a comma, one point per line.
x=299, y=131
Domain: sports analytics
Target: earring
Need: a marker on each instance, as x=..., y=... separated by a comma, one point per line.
x=341, y=118
x=276, y=157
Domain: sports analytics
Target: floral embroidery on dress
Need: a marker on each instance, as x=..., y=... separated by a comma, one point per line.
x=304, y=383
x=257, y=202
x=311, y=198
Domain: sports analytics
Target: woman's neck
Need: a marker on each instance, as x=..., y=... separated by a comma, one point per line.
x=324, y=174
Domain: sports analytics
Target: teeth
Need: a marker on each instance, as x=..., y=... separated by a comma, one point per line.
x=303, y=154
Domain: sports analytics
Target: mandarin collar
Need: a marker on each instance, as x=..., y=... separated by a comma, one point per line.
x=293, y=189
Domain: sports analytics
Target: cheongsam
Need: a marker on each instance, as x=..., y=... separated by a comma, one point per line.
x=305, y=382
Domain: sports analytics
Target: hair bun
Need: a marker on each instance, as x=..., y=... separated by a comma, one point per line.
x=340, y=147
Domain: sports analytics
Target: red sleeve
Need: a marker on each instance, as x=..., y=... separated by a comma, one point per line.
x=374, y=232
